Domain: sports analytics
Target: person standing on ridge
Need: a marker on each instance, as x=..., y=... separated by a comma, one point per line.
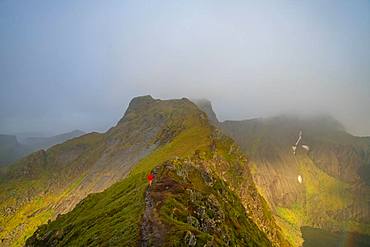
x=150, y=178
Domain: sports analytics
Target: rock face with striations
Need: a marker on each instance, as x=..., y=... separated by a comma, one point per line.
x=334, y=192
x=331, y=167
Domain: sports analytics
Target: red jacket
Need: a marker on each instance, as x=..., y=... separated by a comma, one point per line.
x=150, y=177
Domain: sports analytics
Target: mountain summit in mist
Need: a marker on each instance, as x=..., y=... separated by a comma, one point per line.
x=326, y=186
x=208, y=189
x=203, y=187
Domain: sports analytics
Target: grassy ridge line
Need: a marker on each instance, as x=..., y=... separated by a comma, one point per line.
x=185, y=144
x=49, y=176
x=237, y=173
x=194, y=189
x=113, y=216
x=127, y=194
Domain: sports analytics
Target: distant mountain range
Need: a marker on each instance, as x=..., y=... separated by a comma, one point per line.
x=46, y=142
x=232, y=183
x=11, y=149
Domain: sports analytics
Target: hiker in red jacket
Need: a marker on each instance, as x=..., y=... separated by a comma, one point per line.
x=150, y=178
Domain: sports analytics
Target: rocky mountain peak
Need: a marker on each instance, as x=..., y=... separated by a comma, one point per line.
x=154, y=110
x=206, y=106
x=140, y=103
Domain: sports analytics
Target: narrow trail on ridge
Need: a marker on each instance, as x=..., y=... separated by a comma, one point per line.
x=152, y=229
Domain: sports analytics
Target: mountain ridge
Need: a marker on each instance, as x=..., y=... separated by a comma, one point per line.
x=258, y=169
x=335, y=171
x=212, y=151
x=84, y=165
x=55, y=180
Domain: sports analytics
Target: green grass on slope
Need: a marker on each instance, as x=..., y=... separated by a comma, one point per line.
x=31, y=215
x=126, y=196
x=48, y=175
x=324, y=195
x=331, y=193
x=185, y=144
x=291, y=232
x=113, y=217
x=31, y=186
x=110, y=217
x=236, y=171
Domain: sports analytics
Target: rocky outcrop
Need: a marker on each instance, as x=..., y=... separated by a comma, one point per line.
x=206, y=106
x=189, y=195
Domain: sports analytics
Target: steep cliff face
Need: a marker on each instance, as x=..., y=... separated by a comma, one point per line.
x=333, y=192
x=47, y=183
x=206, y=106
x=326, y=186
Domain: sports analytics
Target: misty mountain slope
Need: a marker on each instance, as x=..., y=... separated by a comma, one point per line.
x=46, y=183
x=11, y=149
x=205, y=198
x=334, y=194
x=36, y=143
x=206, y=106
x=33, y=186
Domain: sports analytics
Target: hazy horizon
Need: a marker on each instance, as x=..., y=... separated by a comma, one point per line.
x=72, y=65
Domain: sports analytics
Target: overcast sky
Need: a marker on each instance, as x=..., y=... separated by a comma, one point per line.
x=68, y=65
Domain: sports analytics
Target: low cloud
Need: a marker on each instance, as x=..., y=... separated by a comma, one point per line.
x=77, y=70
